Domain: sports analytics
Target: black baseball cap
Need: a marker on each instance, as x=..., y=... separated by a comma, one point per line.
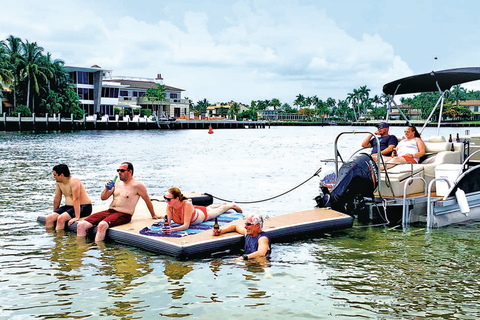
x=382, y=125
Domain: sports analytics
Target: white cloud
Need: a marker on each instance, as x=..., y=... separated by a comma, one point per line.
x=240, y=50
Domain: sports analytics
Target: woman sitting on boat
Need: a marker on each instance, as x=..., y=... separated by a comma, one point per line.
x=410, y=149
x=181, y=210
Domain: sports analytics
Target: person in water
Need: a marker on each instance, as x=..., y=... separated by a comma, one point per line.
x=182, y=211
x=410, y=149
x=77, y=202
x=257, y=242
x=387, y=141
x=126, y=193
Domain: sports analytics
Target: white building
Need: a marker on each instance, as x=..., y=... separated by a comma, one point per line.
x=100, y=92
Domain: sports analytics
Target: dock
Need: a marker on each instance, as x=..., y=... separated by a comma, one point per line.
x=49, y=123
x=283, y=228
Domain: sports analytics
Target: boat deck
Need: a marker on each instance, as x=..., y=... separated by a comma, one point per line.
x=284, y=227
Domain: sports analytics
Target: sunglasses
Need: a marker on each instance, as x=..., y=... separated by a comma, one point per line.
x=167, y=199
x=122, y=170
x=248, y=224
x=407, y=131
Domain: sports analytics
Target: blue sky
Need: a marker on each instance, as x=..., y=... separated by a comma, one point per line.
x=254, y=50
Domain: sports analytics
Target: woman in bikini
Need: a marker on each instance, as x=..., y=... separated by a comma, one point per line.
x=181, y=210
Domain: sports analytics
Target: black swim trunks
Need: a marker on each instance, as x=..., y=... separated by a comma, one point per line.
x=85, y=210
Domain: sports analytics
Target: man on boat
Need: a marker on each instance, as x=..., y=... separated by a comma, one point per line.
x=257, y=242
x=77, y=202
x=126, y=194
x=387, y=142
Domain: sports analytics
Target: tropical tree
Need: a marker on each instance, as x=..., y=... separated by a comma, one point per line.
x=299, y=101
x=288, y=109
x=457, y=113
x=275, y=103
x=32, y=71
x=201, y=107
x=156, y=94
x=13, y=46
x=234, y=109
x=456, y=94
x=6, y=75
x=352, y=100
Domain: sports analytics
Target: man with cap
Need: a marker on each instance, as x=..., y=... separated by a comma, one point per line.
x=387, y=142
x=257, y=242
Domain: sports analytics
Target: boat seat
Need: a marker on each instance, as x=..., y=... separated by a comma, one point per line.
x=397, y=176
x=437, y=152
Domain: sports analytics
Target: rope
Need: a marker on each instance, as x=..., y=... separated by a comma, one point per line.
x=271, y=198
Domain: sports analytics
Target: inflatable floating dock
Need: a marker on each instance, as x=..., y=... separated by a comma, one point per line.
x=199, y=243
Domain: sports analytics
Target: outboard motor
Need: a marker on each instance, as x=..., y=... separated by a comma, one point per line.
x=357, y=179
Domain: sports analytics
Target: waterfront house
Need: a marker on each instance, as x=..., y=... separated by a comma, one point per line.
x=134, y=88
x=100, y=92
x=474, y=106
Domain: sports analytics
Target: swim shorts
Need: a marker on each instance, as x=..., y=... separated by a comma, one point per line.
x=112, y=217
x=85, y=210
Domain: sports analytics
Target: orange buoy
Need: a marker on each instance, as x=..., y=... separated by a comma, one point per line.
x=210, y=130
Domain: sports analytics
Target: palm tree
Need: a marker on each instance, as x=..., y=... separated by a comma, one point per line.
x=352, y=99
x=13, y=46
x=364, y=94
x=156, y=94
x=59, y=76
x=233, y=111
x=6, y=75
x=275, y=103
x=299, y=101
x=32, y=70
x=457, y=94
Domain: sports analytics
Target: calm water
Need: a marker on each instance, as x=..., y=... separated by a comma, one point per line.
x=370, y=273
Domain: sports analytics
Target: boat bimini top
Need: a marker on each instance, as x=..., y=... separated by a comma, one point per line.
x=441, y=80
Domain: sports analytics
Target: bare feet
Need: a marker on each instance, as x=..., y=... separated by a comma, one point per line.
x=236, y=208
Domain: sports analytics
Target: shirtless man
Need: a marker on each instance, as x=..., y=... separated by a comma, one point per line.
x=126, y=194
x=77, y=202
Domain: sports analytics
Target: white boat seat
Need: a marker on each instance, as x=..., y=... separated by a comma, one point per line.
x=397, y=176
x=436, y=153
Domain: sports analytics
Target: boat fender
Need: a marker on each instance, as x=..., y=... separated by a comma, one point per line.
x=462, y=201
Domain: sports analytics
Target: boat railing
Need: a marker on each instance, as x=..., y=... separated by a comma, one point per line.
x=466, y=161
x=405, y=212
x=429, y=200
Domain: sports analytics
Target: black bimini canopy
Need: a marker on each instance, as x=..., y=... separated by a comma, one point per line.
x=427, y=82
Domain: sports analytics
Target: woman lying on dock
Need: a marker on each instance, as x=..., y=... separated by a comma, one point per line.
x=181, y=210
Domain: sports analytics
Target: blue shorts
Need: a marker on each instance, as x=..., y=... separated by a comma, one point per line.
x=85, y=210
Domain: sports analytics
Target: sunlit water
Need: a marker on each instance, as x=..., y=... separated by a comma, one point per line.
x=370, y=273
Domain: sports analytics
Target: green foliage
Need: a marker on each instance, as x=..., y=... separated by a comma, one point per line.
x=156, y=94
x=23, y=110
x=201, y=107
x=145, y=112
x=457, y=113
x=38, y=81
